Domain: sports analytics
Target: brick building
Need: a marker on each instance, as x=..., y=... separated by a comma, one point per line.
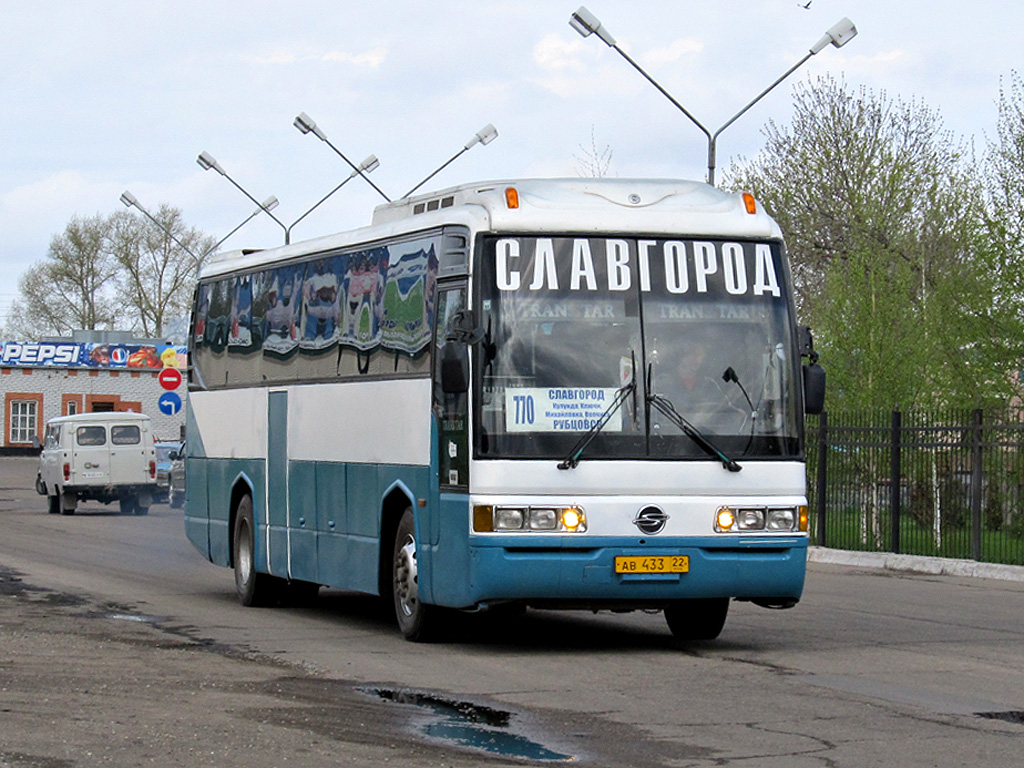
x=88, y=373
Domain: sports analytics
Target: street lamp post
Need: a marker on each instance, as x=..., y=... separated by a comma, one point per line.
x=267, y=205
x=207, y=162
x=306, y=124
x=130, y=200
x=584, y=22
x=367, y=166
x=485, y=135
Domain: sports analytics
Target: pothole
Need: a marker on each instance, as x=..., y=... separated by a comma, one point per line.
x=472, y=726
x=1012, y=716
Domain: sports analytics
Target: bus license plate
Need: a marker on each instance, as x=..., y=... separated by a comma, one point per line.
x=653, y=564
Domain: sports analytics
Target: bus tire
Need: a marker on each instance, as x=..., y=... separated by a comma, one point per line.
x=697, y=619
x=416, y=620
x=253, y=588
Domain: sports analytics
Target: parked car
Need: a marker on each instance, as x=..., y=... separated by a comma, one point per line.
x=163, y=469
x=176, y=478
x=99, y=456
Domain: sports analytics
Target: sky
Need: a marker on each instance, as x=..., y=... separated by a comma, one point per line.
x=110, y=95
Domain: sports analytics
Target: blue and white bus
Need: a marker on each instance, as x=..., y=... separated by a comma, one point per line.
x=562, y=393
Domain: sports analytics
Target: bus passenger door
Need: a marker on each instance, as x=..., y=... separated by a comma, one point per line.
x=277, y=483
x=451, y=413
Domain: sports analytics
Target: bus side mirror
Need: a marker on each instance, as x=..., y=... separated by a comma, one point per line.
x=814, y=388
x=454, y=368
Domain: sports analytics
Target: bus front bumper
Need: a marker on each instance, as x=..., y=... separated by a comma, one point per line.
x=574, y=573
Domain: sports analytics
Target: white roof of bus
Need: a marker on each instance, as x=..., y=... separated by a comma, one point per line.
x=570, y=206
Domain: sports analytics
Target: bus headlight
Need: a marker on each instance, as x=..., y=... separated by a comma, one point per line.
x=781, y=519
x=748, y=519
x=501, y=519
x=509, y=518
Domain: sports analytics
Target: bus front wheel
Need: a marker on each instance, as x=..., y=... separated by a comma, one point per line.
x=698, y=619
x=416, y=620
x=253, y=588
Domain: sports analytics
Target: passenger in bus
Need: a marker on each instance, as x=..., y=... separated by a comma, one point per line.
x=699, y=387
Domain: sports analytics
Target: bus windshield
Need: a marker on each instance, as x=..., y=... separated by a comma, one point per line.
x=702, y=327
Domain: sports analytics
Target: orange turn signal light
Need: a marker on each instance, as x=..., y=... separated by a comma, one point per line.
x=749, y=202
x=512, y=197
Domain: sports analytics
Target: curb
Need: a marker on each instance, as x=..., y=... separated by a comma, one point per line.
x=935, y=566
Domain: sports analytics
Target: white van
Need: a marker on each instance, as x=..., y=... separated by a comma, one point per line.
x=100, y=456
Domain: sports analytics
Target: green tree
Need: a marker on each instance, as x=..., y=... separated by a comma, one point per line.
x=120, y=271
x=883, y=214
x=1005, y=219
x=157, y=265
x=72, y=287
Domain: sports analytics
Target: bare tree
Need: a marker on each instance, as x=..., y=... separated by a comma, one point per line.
x=593, y=163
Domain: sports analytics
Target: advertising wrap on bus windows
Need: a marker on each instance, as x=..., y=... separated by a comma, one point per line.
x=370, y=300
x=68, y=354
x=701, y=327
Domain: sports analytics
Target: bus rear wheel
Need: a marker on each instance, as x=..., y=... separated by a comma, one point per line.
x=417, y=620
x=697, y=619
x=253, y=588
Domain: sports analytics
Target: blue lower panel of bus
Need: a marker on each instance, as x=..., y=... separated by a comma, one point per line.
x=563, y=572
x=322, y=522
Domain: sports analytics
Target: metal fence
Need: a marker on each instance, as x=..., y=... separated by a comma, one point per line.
x=946, y=484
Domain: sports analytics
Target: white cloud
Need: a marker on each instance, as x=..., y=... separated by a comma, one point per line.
x=555, y=54
x=372, y=58
x=675, y=51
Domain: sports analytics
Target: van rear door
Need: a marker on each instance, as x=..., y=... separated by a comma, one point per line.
x=129, y=463
x=90, y=451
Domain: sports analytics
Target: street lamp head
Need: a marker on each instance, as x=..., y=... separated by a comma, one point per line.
x=485, y=136
x=842, y=32
x=206, y=162
x=129, y=199
x=369, y=165
x=270, y=203
x=306, y=124
x=586, y=23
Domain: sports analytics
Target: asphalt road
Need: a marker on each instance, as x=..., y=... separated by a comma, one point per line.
x=119, y=645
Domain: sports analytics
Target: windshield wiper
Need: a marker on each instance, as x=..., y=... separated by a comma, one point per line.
x=573, y=459
x=664, y=406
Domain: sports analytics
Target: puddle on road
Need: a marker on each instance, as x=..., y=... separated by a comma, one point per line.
x=130, y=617
x=471, y=726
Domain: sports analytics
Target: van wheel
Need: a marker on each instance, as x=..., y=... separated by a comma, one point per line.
x=174, y=499
x=128, y=505
x=53, y=503
x=140, y=509
x=67, y=502
x=417, y=621
x=253, y=588
x=698, y=619
x=40, y=485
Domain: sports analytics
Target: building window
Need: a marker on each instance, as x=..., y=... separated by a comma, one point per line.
x=24, y=421
x=72, y=407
